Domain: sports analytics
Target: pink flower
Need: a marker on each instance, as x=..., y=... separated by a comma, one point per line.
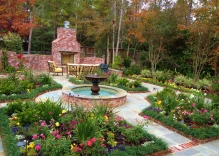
x=42, y=135
x=54, y=133
x=35, y=136
x=101, y=139
x=58, y=136
x=89, y=143
x=145, y=116
x=68, y=133
x=193, y=105
x=42, y=124
x=103, y=145
x=50, y=113
x=93, y=140
x=205, y=111
x=37, y=147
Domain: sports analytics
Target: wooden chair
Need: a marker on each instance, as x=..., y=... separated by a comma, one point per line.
x=73, y=69
x=54, y=69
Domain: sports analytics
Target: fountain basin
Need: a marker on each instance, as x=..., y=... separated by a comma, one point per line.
x=117, y=96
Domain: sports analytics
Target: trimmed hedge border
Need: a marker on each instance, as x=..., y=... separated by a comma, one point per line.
x=205, y=134
x=35, y=92
x=8, y=139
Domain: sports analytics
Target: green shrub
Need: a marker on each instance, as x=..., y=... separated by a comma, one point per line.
x=146, y=73
x=179, y=79
x=13, y=42
x=117, y=61
x=112, y=78
x=215, y=84
x=122, y=81
x=203, y=84
x=127, y=62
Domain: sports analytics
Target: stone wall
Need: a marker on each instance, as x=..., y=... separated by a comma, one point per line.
x=92, y=60
x=34, y=62
x=38, y=62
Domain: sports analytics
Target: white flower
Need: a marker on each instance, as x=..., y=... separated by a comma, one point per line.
x=192, y=96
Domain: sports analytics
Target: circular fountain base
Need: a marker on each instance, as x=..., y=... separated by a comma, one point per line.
x=117, y=98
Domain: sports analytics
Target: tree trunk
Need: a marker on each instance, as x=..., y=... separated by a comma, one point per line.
x=107, y=50
x=119, y=29
x=127, y=54
x=114, y=21
x=30, y=34
x=188, y=18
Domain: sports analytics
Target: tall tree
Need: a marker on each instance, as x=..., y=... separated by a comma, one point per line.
x=204, y=38
x=14, y=17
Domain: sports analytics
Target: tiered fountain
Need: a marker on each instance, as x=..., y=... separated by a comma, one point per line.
x=88, y=95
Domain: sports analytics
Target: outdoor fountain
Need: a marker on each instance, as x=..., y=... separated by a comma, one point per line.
x=88, y=95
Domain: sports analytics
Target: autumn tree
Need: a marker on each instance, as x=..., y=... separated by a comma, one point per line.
x=14, y=17
x=204, y=39
x=154, y=28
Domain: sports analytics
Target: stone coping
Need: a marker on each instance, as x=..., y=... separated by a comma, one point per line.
x=119, y=92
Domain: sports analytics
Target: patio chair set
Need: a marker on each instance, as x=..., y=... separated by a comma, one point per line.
x=77, y=69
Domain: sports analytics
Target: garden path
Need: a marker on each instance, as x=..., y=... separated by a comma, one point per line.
x=178, y=144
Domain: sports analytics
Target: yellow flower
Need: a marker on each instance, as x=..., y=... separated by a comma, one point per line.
x=63, y=111
x=57, y=124
x=72, y=147
x=60, y=114
x=106, y=117
x=18, y=123
x=28, y=90
x=91, y=114
x=31, y=145
x=159, y=102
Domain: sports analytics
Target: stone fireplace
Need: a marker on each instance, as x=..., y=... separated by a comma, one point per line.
x=66, y=49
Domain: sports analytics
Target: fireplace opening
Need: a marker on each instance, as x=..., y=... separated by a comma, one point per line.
x=67, y=57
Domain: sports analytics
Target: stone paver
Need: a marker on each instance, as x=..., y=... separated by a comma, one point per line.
x=135, y=104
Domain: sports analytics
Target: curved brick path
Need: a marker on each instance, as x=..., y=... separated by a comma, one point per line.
x=179, y=145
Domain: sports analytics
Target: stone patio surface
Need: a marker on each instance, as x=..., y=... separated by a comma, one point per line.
x=135, y=104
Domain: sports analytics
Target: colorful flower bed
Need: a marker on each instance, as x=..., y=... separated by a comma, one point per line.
x=195, y=116
x=25, y=85
x=46, y=128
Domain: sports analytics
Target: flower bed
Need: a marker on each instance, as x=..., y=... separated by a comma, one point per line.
x=25, y=85
x=75, y=132
x=196, y=117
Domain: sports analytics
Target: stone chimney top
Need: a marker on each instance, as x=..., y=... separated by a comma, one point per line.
x=66, y=24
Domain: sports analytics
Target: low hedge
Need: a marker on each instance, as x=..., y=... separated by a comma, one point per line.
x=198, y=133
x=31, y=94
x=9, y=140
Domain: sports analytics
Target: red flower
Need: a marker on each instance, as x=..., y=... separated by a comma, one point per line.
x=89, y=143
x=103, y=145
x=93, y=140
x=101, y=139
